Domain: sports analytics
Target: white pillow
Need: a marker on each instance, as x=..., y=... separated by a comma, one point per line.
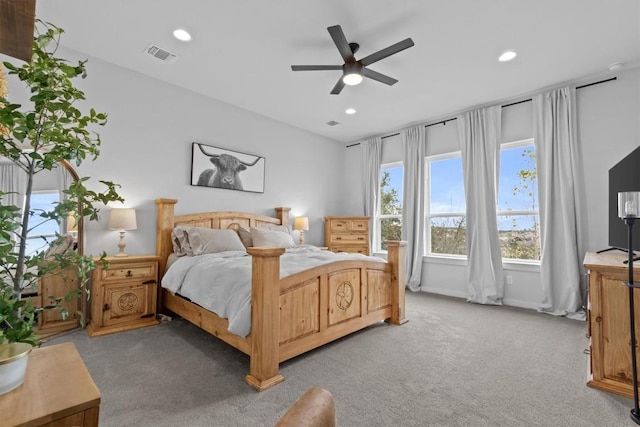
x=207, y=241
x=271, y=238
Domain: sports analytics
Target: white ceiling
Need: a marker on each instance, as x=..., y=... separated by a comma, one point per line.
x=242, y=51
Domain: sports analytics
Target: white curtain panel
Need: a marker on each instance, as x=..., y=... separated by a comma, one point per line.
x=479, y=135
x=414, y=152
x=561, y=194
x=13, y=181
x=371, y=160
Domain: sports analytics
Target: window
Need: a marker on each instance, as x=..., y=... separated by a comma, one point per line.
x=389, y=221
x=446, y=207
x=43, y=231
x=518, y=215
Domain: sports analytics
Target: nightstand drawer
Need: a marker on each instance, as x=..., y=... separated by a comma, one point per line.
x=120, y=272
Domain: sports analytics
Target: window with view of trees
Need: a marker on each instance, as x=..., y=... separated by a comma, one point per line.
x=446, y=206
x=390, y=211
x=44, y=231
x=518, y=215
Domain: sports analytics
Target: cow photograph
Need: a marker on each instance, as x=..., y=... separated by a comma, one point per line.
x=220, y=168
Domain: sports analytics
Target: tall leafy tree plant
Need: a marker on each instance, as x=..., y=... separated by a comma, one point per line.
x=49, y=131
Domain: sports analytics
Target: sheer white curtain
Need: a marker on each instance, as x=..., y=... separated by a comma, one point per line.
x=13, y=181
x=561, y=194
x=479, y=135
x=371, y=160
x=414, y=151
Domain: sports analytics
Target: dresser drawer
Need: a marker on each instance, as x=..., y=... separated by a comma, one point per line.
x=349, y=226
x=364, y=249
x=119, y=272
x=349, y=238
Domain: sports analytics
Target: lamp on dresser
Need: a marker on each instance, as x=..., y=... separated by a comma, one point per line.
x=629, y=211
x=122, y=220
x=301, y=224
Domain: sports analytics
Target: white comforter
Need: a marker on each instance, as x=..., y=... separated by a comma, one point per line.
x=221, y=282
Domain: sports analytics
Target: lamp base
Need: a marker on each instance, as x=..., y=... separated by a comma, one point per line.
x=634, y=417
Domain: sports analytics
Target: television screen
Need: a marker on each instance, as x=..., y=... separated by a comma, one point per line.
x=624, y=176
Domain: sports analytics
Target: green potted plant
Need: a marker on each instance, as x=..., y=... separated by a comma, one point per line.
x=49, y=131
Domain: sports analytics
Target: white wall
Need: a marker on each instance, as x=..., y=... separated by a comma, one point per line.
x=146, y=148
x=608, y=127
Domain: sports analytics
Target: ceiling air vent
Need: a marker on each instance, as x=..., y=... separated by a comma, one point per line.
x=162, y=54
x=333, y=123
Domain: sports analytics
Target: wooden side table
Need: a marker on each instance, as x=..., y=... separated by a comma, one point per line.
x=57, y=391
x=124, y=296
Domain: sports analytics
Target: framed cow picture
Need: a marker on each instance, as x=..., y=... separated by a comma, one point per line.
x=221, y=168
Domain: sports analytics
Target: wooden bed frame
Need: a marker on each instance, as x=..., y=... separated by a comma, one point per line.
x=297, y=313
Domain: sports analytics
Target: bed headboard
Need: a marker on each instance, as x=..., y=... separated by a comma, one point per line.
x=167, y=221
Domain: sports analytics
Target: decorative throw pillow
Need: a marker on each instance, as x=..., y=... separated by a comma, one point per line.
x=245, y=236
x=180, y=241
x=271, y=238
x=207, y=240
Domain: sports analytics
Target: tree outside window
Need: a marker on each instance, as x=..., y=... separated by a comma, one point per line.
x=518, y=215
x=446, y=216
x=390, y=218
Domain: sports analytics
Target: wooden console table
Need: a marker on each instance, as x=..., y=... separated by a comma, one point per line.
x=57, y=391
x=608, y=322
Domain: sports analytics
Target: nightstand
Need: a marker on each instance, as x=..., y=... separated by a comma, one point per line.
x=124, y=295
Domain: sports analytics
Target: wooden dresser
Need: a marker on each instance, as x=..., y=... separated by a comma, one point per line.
x=608, y=322
x=125, y=295
x=347, y=234
x=57, y=392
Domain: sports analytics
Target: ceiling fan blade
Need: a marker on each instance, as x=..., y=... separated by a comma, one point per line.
x=315, y=67
x=381, y=54
x=341, y=43
x=17, y=21
x=338, y=87
x=379, y=77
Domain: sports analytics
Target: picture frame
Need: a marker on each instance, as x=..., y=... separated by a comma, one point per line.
x=217, y=167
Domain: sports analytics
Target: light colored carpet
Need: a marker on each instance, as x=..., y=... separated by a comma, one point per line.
x=453, y=364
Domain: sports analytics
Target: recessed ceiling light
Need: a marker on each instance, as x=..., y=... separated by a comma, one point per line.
x=182, y=35
x=507, y=56
x=350, y=111
x=616, y=66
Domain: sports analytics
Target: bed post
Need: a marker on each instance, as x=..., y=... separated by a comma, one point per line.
x=396, y=251
x=283, y=215
x=265, y=318
x=164, y=247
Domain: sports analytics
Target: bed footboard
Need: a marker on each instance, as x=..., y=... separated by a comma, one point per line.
x=295, y=314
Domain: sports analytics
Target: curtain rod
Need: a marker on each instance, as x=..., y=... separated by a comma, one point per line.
x=442, y=122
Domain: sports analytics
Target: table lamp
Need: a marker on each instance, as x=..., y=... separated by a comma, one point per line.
x=301, y=224
x=122, y=220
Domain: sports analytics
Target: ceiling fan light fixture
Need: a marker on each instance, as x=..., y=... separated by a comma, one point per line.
x=350, y=111
x=352, y=79
x=352, y=74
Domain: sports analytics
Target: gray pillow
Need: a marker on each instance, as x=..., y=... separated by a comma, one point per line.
x=206, y=240
x=271, y=238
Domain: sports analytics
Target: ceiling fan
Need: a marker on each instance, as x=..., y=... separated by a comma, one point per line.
x=353, y=71
x=17, y=21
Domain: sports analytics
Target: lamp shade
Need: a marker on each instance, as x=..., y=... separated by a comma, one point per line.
x=122, y=219
x=301, y=223
x=629, y=204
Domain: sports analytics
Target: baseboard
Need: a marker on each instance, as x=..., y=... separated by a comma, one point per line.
x=459, y=294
